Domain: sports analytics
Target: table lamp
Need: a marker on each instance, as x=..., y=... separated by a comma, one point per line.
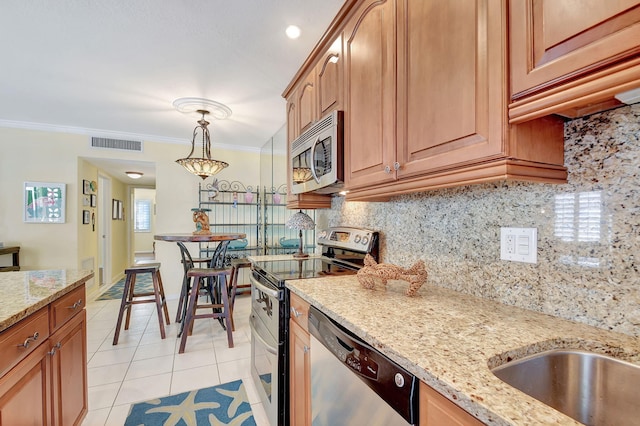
x=300, y=221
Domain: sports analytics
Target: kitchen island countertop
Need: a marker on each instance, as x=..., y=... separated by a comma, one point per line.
x=24, y=292
x=450, y=341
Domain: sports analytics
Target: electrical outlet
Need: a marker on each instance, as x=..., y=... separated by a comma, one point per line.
x=519, y=244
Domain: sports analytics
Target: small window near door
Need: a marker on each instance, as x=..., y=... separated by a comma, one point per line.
x=142, y=216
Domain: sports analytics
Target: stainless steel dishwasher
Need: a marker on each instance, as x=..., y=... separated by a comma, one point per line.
x=353, y=383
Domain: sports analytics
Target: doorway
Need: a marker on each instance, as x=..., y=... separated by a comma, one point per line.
x=104, y=232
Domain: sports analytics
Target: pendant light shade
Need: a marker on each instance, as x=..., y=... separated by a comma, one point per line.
x=203, y=166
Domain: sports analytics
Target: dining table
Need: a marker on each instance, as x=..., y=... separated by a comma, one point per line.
x=198, y=238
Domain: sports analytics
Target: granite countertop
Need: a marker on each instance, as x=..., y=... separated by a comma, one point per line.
x=450, y=341
x=24, y=292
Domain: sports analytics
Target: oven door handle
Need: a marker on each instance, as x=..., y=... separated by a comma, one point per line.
x=264, y=289
x=257, y=335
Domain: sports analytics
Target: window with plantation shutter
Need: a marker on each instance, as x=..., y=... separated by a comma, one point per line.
x=142, y=216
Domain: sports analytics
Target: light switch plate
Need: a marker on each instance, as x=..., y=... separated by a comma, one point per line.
x=519, y=244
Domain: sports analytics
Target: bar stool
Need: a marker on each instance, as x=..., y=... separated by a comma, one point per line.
x=236, y=265
x=187, y=263
x=220, y=305
x=129, y=296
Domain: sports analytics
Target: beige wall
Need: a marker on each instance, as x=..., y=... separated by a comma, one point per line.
x=31, y=155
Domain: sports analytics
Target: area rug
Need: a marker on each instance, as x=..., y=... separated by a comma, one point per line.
x=144, y=284
x=225, y=404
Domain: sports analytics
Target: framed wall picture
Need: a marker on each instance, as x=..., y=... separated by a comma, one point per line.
x=86, y=217
x=86, y=200
x=120, y=211
x=86, y=187
x=94, y=200
x=114, y=209
x=44, y=202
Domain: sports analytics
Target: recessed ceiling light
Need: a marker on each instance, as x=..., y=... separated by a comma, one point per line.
x=292, y=31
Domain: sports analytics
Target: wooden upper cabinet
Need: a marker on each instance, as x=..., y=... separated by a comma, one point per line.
x=370, y=51
x=450, y=80
x=567, y=54
x=307, y=109
x=442, y=120
x=329, y=75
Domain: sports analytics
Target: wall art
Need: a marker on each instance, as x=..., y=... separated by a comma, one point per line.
x=44, y=202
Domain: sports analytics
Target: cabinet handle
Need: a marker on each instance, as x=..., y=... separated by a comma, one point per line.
x=29, y=339
x=295, y=312
x=54, y=349
x=75, y=305
x=396, y=166
x=387, y=169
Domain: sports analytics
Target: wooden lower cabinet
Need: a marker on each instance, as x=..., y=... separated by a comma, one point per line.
x=436, y=410
x=25, y=391
x=69, y=371
x=49, y=385
x=299, y=364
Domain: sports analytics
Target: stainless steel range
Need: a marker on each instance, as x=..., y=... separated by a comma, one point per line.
x=343, y=252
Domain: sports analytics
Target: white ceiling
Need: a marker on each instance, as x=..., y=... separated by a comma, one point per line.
x=112, y=68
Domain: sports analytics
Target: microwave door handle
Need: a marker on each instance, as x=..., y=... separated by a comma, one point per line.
x=313, y=156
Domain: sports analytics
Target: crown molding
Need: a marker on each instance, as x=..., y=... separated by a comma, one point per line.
x=43, y=127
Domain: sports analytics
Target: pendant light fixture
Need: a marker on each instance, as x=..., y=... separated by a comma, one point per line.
x=203, y=166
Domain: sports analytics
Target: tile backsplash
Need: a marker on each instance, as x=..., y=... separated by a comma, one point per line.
x=588, y=230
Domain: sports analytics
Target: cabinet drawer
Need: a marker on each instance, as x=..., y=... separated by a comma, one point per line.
x=22, y=338
x=66, y=307
x=299, y=311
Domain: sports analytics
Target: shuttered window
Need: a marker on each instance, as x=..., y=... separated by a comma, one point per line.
x=143, y=216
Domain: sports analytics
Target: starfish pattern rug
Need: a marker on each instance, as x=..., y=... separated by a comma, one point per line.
x=225, y=404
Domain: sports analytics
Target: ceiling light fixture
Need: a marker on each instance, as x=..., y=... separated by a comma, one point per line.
x=202, y=166
x=293, y=32
x=134, y=175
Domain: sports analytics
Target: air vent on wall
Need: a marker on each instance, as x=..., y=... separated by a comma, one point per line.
x=108, y=143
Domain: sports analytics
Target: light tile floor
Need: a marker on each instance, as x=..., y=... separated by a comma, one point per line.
x=144, y=366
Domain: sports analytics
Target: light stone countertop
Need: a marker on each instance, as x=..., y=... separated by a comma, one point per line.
x=24, y=292
x=449, y=340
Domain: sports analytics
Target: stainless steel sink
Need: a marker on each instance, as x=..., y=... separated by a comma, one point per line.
x=591, y=388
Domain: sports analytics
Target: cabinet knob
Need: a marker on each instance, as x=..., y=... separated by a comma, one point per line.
x=305, y=349
x=295, y=312
x=396, y=166
x=387, y=169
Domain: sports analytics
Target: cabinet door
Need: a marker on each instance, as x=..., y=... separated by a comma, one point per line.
x=370, y=80
x=436, y=410
x=554, y=41
x=69, y=368
x=25, y=391
x=329, y=77
x=451, y=101
x=306, y=101
x=300, y=376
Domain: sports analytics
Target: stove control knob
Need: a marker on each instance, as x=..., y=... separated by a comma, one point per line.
x=365, y=241
x=357, y=239
x=399, y=379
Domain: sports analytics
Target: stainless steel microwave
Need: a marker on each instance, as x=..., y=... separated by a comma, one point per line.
x=317, y=157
